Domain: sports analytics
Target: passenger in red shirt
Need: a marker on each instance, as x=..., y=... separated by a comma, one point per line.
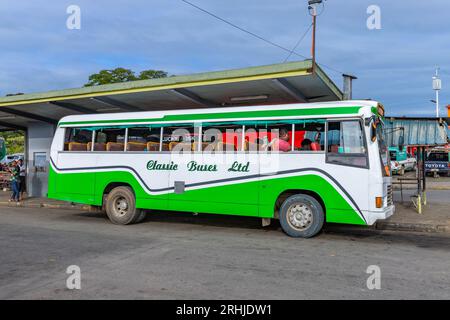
x=281, y=143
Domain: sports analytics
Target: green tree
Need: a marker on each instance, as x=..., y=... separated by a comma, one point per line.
x=15, y=141
x=152, y=74
x=110, y=76
x=122, y=75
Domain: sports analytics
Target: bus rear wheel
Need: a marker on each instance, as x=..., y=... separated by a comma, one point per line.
x=121, y=206
x=301, y=216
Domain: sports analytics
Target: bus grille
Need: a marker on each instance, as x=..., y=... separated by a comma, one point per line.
x=390, y=196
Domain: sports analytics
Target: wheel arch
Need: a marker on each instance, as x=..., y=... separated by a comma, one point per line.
x=110, y=186
x=290, y=192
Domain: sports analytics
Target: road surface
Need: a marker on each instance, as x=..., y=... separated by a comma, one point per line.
x=180, y=256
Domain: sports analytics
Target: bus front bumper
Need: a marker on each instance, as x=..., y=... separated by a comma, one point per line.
x=380, y=215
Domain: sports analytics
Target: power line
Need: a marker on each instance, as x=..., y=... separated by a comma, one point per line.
x=298, y=43
x=254, y=34
x=242, y=29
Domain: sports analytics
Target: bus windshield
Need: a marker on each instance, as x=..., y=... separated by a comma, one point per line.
x=382, y=147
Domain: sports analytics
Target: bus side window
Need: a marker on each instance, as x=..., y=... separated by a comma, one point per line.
x=77, y=139
x=310, y=136
x=109, y=139
x=275, y=138
x=180, y=138
x=212, y=138
x=223, y=137
x=143, y=139
x=346, y=145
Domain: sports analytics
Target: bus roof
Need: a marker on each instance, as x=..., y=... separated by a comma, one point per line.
x=351, y=108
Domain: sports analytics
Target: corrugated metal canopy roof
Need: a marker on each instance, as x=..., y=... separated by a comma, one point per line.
x=281, y=83
x=417, y=131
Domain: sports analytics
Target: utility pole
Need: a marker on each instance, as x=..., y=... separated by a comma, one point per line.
x=437, y=85
x=313, y=5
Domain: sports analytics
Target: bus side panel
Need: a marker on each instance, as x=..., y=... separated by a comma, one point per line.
x=149, y=186
x=213, y=183
x=59, y=187
x=308, y=171
x=72, y=182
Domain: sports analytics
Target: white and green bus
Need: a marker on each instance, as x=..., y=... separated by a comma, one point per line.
x=304, y=164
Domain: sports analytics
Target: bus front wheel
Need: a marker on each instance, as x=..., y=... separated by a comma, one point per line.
x=301, y=216
x=121, y=206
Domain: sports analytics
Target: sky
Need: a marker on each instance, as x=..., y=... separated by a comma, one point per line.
x=394, y=64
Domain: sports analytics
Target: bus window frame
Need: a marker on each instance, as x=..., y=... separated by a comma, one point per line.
x=344, y=155
x=199, y=126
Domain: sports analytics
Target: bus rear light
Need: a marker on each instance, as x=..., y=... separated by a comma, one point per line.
x=379, y=202
x=388, y=172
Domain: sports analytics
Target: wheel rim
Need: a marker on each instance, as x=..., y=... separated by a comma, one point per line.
x=120, y=206
x=300, y=216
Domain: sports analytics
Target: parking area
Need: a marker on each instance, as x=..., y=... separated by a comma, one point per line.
x=181, y=256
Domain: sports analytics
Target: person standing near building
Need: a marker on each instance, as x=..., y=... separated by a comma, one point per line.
x=15, y=182
x=22, y=178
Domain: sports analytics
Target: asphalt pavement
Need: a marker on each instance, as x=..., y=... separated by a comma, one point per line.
x=181, y=256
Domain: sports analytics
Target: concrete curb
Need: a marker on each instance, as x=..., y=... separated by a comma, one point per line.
x=438, y=188
x=412, y=227
x=43, y=205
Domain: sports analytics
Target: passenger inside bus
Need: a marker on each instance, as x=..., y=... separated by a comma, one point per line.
x=280, y=143
x=306, y=144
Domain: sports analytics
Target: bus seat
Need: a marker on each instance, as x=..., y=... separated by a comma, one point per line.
x=165, y=147
x=77, y=146
x=239, y=146
x=228, y=147
x=315, y=146
x=184, y=146
x=253, y=146
x=99, y=146
x=114, y=146
x=136, y=146
x=153, y=146
x=195, y=145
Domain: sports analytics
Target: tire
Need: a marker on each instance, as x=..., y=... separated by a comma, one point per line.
x=121, y=206
x=141, y=216
x=301, y=216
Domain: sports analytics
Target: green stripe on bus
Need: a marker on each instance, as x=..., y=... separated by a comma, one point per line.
x=229, y=115
x=243, y=198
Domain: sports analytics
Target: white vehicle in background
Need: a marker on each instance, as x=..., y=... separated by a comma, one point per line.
x=401, y=161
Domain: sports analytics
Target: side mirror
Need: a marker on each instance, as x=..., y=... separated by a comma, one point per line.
x=373, y=131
